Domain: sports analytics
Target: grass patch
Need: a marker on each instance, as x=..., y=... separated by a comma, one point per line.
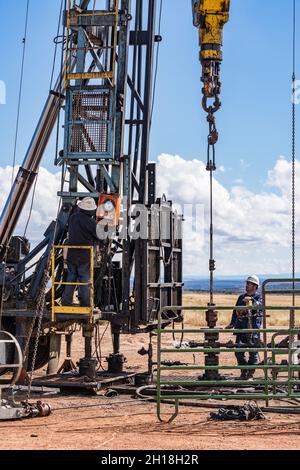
x=275, y=318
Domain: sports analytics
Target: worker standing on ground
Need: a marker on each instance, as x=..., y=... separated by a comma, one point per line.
x=248, y=319
x=82, y=232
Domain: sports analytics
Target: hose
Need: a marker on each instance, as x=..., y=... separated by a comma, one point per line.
x=285, y=411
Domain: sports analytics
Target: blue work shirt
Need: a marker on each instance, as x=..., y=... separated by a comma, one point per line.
x=242, y=322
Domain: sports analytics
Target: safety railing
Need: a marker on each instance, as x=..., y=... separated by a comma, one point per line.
x=267, y=387
x=267, y=290
x=77, y=19
x=8, y=341
x=73, y=309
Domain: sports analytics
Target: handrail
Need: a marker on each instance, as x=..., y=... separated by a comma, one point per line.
x=291, y=384
x=69, y=310
x=19, y=358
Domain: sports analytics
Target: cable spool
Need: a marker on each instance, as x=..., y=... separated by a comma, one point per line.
x=9, y=347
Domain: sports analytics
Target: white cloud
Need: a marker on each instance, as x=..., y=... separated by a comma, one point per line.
x=280, y=176
x=252, y=229
x=45, y=202
x=244, y=164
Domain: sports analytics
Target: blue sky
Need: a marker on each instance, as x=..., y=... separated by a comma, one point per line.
x=254, y=122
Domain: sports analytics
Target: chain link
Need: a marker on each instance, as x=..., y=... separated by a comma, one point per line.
x=294, y=191
x=39, y=314
x=294, y=156
x=212, y=139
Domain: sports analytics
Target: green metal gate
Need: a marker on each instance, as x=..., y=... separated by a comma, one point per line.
x=268, y=386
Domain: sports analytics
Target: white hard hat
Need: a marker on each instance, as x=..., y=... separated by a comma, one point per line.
x=254, y=279
x=87, y=204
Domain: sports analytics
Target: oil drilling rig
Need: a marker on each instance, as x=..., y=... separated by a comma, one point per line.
x=105, y=89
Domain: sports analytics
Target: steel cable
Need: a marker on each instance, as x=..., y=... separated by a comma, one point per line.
x=294, y=155
x=41, y=299
x=24, y=41
x=56, y=43
x=157, y=62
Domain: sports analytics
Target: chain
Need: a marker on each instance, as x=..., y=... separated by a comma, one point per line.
x=212, y=263
x=30, y=333
x=294, y=156
x=39, y=314
x=2, y=288
x=292, y=320
x=211, y=91
x=212, y=139
x=294, y=194
x=211, y=167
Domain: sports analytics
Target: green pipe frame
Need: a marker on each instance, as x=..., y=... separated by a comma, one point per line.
x=265, y=383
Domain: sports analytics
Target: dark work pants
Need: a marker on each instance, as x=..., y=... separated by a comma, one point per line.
x=241, y=356
x=77, y=273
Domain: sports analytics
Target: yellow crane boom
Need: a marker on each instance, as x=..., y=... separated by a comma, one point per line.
x=210, y=16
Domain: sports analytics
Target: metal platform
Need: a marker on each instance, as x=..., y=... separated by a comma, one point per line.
x=71, y=381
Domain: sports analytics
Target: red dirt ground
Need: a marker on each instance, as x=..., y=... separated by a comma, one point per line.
x=124, y=423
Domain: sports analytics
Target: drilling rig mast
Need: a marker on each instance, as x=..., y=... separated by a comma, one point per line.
x=106, y=91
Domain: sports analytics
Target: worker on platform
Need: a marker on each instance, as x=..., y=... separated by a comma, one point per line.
x=248, y=319
x=82, y=232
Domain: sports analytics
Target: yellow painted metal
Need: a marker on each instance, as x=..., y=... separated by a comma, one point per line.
x=71, y=283
x=73, y=310
x=109, y=75
x=212, y=55
x=210, y=18
x=89, y=75
x=96, y=13
x=73, y=247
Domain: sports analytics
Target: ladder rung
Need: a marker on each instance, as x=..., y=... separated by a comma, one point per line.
x=99, y=13
x=71, y=283
x=89, y=75
x=73, y=310
x=9, y=366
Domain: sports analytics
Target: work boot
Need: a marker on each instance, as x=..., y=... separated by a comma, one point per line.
x=250, y=374
x=244, y=375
